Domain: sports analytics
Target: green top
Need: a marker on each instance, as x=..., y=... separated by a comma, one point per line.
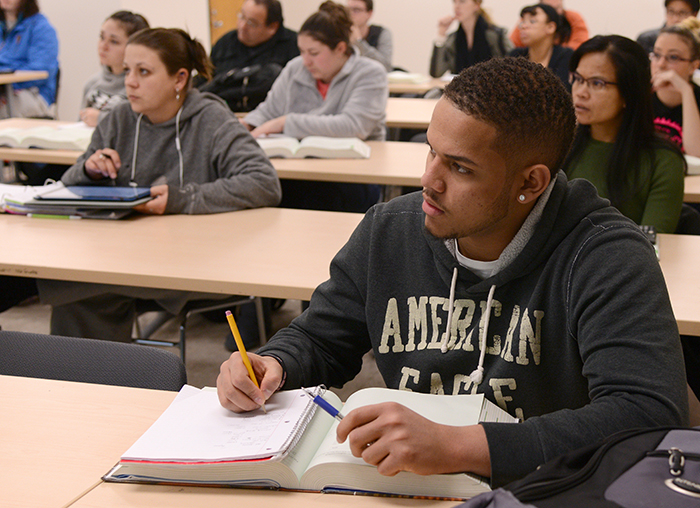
x=660, y=196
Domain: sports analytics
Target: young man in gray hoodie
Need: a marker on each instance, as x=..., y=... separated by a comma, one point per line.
x=500, y=278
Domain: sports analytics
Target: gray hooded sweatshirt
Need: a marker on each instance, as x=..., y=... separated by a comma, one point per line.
x=219, y=168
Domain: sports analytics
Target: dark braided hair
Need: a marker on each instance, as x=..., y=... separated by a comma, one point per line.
x=527, y=104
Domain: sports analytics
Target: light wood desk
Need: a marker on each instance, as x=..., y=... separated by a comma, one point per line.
x=391, y=163
x=678, y=256
x=417, y=88
x=692, y=189
x=268, y=252
x=22, y=76
x=59, y=438
x=409, y=113
x=19, y=77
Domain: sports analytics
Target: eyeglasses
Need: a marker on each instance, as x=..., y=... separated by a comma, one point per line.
x=678, y=14
x=356, y=10
x=595, y=84
x=672, y=59
x=249, y=22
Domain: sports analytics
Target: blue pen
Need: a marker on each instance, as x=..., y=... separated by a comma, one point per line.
x=325, y=405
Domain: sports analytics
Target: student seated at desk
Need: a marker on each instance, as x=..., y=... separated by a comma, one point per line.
x=327, y=91
x=476, y=39
x=372, y=41
x=501, y=278
x=616, y=147
x=106, y=88
x=676, y=97
x=29, y=43
x=186, y=145
x=540, y=30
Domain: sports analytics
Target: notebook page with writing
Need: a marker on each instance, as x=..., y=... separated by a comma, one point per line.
x=198, y=429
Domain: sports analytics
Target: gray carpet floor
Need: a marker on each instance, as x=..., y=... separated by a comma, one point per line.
x=205, y=342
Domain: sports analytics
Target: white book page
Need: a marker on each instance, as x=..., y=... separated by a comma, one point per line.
x=456, y=410
x=198, y=429
x=275, y=146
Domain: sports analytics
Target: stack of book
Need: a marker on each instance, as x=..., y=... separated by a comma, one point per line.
x=60, y=202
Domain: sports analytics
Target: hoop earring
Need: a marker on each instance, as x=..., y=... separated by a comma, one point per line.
x=521, y=198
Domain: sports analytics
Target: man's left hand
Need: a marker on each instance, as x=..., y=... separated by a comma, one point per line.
x=394, y=438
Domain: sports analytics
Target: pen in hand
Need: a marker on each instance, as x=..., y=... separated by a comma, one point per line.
x=325, y=405
x=242, y=351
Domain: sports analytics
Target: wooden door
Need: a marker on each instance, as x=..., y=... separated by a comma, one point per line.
x=223, y=17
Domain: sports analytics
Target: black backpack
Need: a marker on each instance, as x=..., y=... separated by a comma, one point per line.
x=641, y=468
x=243, y=89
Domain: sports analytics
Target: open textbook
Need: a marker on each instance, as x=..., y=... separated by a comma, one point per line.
x=292, y=446
x=74, y=136
x=320, y=147
x=693, y=164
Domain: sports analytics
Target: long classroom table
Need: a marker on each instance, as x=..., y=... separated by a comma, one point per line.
x=409, y=113
x=268, y=252
x=59, y=438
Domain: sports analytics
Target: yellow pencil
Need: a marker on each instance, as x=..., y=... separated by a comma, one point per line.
x=241, y=349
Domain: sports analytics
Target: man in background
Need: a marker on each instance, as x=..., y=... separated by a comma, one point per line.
x=676, y=11
x=260, y=38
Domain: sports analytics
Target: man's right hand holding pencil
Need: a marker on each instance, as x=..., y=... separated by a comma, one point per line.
x=237, y=391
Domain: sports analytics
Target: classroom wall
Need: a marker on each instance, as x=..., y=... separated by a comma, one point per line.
x=78, y=25
x=413, y=23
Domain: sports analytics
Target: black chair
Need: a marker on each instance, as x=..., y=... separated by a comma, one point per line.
x=89, y=361
x=143, y=333
x=689, y=222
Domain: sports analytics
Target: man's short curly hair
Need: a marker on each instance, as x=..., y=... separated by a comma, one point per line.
x=527, y=104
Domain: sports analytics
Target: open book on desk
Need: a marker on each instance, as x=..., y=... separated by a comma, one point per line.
x=75, y=136
x=198, y=442
x=320, y=147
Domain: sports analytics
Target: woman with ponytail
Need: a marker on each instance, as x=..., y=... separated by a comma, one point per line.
x=187, y=146
x=328, y=90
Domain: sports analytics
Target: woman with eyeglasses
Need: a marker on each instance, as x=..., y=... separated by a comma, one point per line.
x=540, y=31
x=675, y=100
x=616, y=147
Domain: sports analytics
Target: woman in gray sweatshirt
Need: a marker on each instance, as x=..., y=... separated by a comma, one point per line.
x=326, y=91
x=186, y=145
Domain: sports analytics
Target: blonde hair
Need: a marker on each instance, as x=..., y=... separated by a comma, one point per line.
x=691, y=23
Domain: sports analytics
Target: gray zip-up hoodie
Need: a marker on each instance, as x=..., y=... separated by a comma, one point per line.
x=219, y=167
x=581, y=340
